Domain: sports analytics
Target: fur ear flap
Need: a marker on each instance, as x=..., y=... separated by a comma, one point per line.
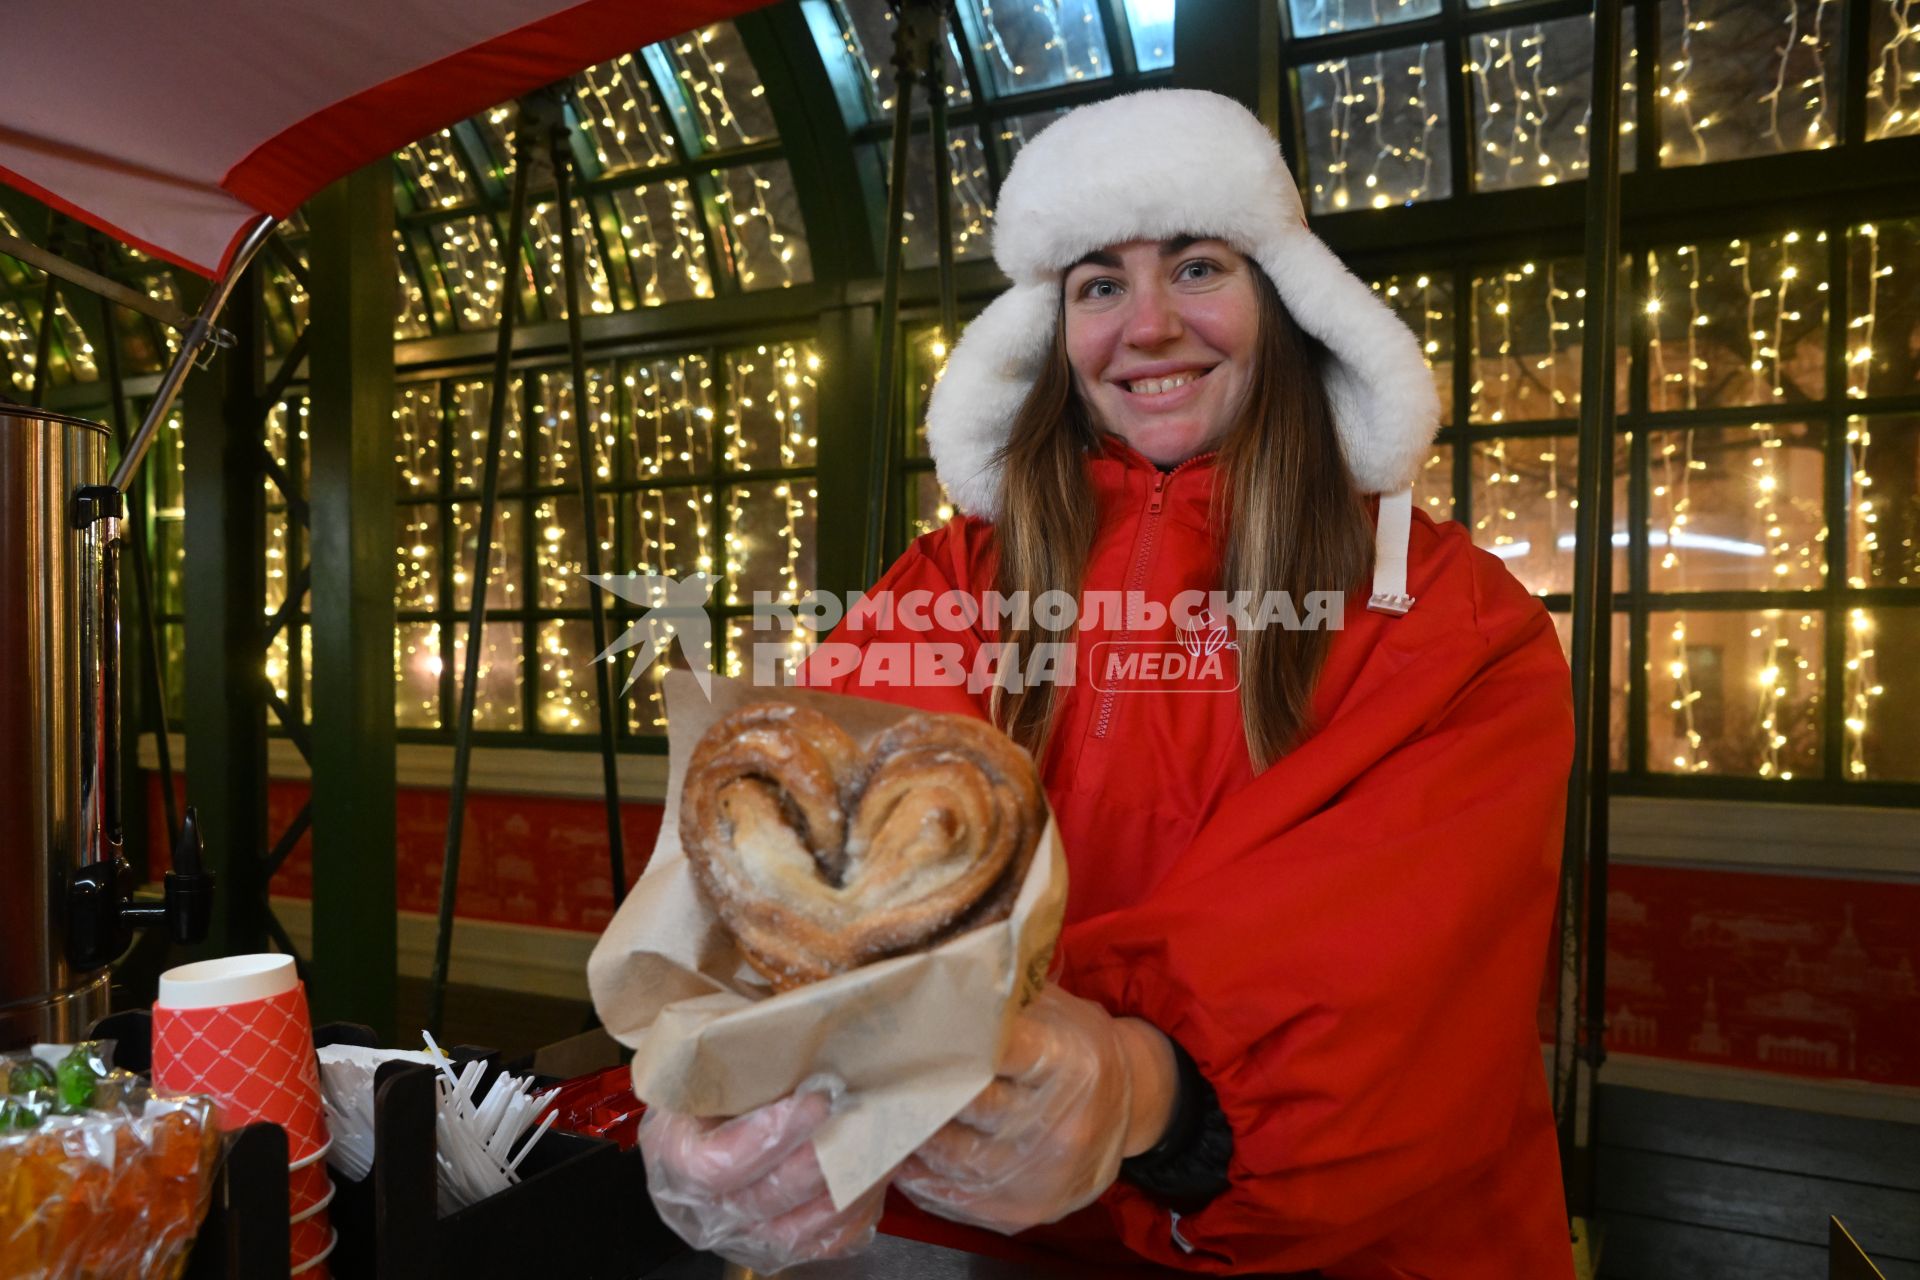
x=987, y=378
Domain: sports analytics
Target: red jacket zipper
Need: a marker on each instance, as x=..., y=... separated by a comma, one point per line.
x=1137, y=574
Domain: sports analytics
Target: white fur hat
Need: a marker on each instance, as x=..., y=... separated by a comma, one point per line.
x=1148, y=166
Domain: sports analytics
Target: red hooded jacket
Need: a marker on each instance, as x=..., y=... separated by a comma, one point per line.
x=1350, y=944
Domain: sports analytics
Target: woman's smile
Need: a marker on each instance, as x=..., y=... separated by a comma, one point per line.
x=1161, y=336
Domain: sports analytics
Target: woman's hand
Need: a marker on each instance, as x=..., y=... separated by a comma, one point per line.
x=750, y=1188
x=1077, y=1091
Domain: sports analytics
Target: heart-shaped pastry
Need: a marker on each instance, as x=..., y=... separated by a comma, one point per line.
x=819, y=858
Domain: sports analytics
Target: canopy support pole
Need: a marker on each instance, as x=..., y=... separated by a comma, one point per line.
x=1580, y=1031
x=477, y=609
x=584, y=430
x=198, y=335
x=917, y=34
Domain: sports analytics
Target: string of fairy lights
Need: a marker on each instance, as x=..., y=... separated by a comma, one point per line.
x=1730, y=323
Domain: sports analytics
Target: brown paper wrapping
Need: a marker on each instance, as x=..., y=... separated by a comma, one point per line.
x=914, y=1037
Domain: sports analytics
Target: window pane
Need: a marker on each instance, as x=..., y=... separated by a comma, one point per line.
x=618, y=113
x=411, y=316
x=770, y=539
x=669, y=531
x=866, y=30
x=1151, y=22
x=1617, y=674
x=926, y=356
x=173, y=647
x=496, y=703
x=1893, y=83
x=1883, y=308
x=166, y=467
x=559, y=553
x=416, y=438
x=472, y=401
x=416, y=675
x=1735, y=692
x=506, y=571
x=1038, y=46
x=1524, y=499
x=563, y=681
x=1882, y=696
x=928, y=506
x=1425, y=303
x=665, y=248
x=1736, y=509
x=1883, y=502
x=646, y=708
x=1747, y=78
x=970, y=200
x=434, y=173
x=277, y=554
x=470, y=270
x=417, y=552
x=771, y=397
x=760, y=221
x=764, y=657
x=1738, y=322
x=1527, y=324
x=553, y=430
x=1533, y=102
x=1433, y=486
x=596, y=291
x=724, y=90
x=1318, y=17
x=1376, y=127
x=673, y=413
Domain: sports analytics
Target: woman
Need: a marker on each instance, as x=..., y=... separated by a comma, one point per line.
x=1292, y=1022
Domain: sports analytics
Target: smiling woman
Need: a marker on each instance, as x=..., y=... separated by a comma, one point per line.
x=1276, y=897
x=1162, y=338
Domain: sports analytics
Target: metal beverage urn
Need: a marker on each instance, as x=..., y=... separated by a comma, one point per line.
x=66, y=905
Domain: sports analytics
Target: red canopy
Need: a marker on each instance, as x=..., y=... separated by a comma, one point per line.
x=174, y=123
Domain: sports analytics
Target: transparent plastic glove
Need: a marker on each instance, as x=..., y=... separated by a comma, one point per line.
x=1047, y=1136
x=750, y=1188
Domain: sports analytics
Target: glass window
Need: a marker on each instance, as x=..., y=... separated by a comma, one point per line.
x=621, y=118
x=1376, y=129
x=1735, y=691
x=1881, y=696
x=759, y=217
x=1038, y=46
x=866, y=33
x=1524, y=496
x=1736, y=508
x=1747, y=78
x=1150, y=22
x=1424, y=302
x=1322, y=17
x=1883, y=501
x=716, y=79
x=1533, y=103
x=1893, y=70
x=1527, y=325
x=1737, y=322
x=1883, y=308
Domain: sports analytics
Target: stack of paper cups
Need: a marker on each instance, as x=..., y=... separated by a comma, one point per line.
x=238, y=1031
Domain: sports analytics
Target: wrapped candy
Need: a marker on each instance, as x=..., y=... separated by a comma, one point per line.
x=99, y=1177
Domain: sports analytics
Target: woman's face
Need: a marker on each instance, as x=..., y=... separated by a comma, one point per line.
x=1161, y=336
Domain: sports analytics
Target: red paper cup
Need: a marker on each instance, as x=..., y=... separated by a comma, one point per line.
x=238, y=1030
x=308, y=1189
x=312, y=1241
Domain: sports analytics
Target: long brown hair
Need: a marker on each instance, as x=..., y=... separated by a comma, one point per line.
x=1292, y=520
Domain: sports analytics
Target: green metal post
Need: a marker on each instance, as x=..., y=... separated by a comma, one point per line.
x=351, y=501
x=224, y=593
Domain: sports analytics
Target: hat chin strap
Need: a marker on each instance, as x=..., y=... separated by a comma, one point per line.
x=1392, y=529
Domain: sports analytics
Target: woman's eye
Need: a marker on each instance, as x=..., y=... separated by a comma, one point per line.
x=1102, y=288
x=1197, y=270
